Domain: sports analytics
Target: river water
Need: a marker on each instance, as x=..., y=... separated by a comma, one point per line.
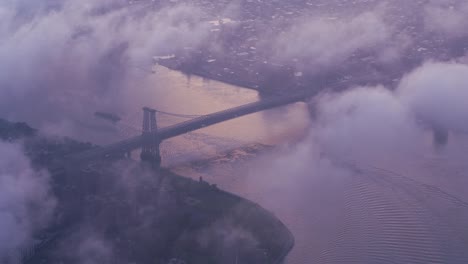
x=178, y=93
x=376, y=216
x=174, y=92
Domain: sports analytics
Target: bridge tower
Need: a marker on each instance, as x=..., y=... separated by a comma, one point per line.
x=150, y=151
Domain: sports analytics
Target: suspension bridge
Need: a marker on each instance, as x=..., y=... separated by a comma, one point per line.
x=152, y=136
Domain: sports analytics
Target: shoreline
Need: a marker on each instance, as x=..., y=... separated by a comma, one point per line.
x=212, y=203
x=289, y=241
x=208, y=76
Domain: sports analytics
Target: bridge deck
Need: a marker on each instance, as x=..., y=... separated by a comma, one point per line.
x=190, y=125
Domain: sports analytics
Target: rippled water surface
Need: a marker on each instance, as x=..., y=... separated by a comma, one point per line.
x=413, y=214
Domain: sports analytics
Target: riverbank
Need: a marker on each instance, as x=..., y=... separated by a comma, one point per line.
x=126, y=204
x=266, y=79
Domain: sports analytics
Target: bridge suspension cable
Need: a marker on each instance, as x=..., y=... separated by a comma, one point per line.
x=191, y=125
x=130, y=126
x=179, y=115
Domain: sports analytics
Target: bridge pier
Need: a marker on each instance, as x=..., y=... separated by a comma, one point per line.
x=150, y=152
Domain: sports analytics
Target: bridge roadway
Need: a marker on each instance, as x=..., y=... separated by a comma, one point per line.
x=133, y=143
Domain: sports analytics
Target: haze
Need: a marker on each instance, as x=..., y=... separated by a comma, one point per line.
x=370, y=169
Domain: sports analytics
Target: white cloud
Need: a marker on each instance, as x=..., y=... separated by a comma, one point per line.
x=437, y=93
x=325, y=42
x=59, y=63
x=446, y=17
x=367, y=124
x=25, y=201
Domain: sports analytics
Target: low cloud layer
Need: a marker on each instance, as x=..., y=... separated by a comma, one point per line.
x=26, y=204
x=89, y=247
x=375, y=124
x=327, y=41
x=436, y=93
x=60, y=62
x=382, y=40
x=309, y=185
x=446, y=18
x=367, y=124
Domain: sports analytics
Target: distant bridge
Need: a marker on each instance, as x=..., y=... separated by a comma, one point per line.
x=152, y=136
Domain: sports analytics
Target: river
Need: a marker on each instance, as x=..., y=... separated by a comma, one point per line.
x=375, y=216
x=178, y=93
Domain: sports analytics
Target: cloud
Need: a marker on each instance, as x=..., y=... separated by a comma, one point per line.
x=88, y=247
x=367, y=124
x=26, y=204
x=436, y=93
x=60, y=63
x=228, y=238
x=309, y=185
x=324, y=42
x=94, y=250
x=62, y=60
x=446, y=17
x=374, y=125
